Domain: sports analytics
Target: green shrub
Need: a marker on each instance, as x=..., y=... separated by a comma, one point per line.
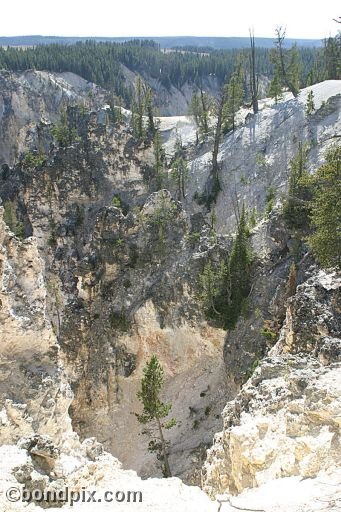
x=32, y=159
x=269, y=330
x=12, y=221
x=116, y=201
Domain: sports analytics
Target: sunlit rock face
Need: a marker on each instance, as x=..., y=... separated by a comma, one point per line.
x=106, y=272
x=286, y=419
x=34, y=393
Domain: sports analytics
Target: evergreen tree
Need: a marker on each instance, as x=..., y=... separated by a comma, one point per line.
x=325, y=242
x=211, y=283
x=294, y=70
x=138, y=109
x=200, y=109
x=296, y=206
x=205, y=112
x=179, y=174
x=148, y=93
x=159, y=160
x=310, y=104
x=155, y=410
x=225, y=287
x=332, y=57
x=11, y=219
x=194, y=111
x=235, y=94
x=62, y=131
x=275, y=89
x=239, y=273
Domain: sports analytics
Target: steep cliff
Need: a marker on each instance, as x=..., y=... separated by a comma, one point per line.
x=105, y=270
x=34, y=392
x=286, y=419
x=117, y=293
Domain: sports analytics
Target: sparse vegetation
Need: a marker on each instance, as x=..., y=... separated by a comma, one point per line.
x=269, y=330
x=162, y=215
x=193, y=237
x=116, y=201
x=33, y=159
x=12, y=220
x=63, y=133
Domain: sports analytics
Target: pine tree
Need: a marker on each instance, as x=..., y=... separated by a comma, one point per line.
x=294, y=70
x=155, y=410
x=235, y=94
x=325, y=242
x=138, y=109
x=275, y=89
x=205, y=111
x=62, y=131
x=159, y=160
x=179, y=175
x=310, y=105
x=332, y=57
x=148, y=94
x=296, y=206
x=11, y=219
x=200, y=109
x=239, y=273
x=211, y=282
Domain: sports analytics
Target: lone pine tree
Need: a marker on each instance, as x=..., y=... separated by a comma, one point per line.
x=155, y=410
x=310, y=104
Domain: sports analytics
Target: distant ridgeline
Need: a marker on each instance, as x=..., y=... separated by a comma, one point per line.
x=99, y=61
x=214, y=43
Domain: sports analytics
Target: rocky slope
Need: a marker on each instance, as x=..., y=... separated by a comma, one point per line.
x=35, y=394
x=31, y=101
x=111, y=275
x=286, y=419
x=254, y=160
x=113, y=284
x=35, y=398
x=291, y=401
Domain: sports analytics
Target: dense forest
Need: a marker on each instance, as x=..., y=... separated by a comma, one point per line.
x=214, y=43
x=100, y=62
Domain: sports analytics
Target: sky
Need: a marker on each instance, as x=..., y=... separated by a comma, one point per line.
x=116, y=18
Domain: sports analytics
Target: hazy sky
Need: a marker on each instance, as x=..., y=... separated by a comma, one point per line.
x=173, y=17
